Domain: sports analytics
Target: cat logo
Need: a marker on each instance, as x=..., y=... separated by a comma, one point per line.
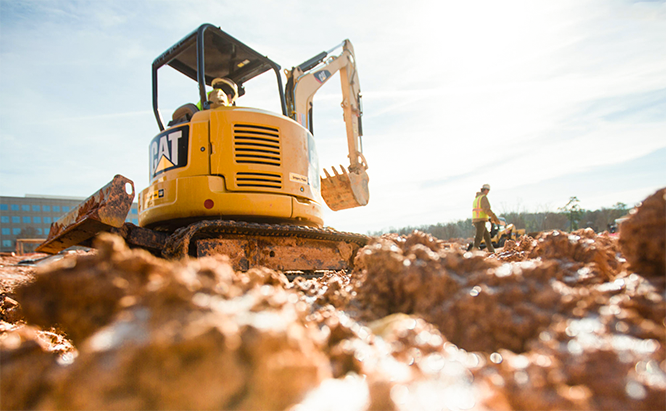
x=169, y=150
x=322, y=75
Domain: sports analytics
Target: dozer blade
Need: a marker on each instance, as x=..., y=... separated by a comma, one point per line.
x=102, y=211
x=345, y=190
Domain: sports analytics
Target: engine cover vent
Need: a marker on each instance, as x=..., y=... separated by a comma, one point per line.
x=259, y=180
x=257, y=145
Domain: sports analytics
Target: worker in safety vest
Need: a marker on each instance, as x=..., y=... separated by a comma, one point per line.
x=224, y=93
x=481, y=212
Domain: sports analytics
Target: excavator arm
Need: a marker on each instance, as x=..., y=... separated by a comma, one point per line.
x=349, y=187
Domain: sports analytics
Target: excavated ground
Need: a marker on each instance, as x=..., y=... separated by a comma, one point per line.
x=570, y=321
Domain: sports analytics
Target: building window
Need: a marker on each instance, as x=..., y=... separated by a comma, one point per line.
x=35, y=208
x=39, y=231
x=25, y=207
x=6, y=243
x=47, y=220
x=37, y=220
x=26, y=220
x=16, y=220
x=16, y=231
x=65, y=209
x=5, y=231
x=15, y=207
x=135, y=221
x=56, y=209
x=4, y=219
x=46, y=209
x=46, y=231
x=4, y=207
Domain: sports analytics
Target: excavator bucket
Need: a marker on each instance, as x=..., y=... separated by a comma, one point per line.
x=345, y=190
x=102, y=211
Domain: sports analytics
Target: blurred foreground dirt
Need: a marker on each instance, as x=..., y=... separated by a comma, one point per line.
x=562, y=321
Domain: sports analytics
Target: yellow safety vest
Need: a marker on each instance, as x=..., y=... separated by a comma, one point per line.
x=477, y=211
x=199, y=106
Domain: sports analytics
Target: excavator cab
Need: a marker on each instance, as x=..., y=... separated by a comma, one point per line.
x=227, y=162
x=244, y=163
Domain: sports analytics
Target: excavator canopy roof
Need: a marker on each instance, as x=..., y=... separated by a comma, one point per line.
x=208, y=53
x=223, y=56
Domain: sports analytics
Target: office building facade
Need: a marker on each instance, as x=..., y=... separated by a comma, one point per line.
x=30, y=217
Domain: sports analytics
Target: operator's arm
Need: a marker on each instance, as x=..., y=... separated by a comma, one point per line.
x=485, y=205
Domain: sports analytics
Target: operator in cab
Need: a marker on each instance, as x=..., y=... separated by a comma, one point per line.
x=224, y=93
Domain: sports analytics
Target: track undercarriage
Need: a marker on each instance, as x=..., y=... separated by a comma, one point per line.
x=276, y=246
x=281, y=247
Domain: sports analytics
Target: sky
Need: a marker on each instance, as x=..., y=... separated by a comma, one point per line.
x=542, y=100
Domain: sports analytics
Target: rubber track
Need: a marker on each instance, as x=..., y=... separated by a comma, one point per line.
x=178, y=244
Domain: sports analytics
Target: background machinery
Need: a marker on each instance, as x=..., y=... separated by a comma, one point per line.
x=499, y=233
x=241, y=181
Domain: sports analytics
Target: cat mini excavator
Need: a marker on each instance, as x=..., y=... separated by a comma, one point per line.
x=234, y=180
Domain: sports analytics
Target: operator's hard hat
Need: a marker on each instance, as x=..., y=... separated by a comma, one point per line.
x=226, y=85
x=485, y=187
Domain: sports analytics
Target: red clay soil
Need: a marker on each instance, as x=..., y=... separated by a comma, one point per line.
x=643, y=238
x=559, y=321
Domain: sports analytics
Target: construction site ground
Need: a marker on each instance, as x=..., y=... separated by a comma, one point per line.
x=561, y=321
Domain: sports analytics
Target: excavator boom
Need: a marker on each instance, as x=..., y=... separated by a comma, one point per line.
x=349, y=188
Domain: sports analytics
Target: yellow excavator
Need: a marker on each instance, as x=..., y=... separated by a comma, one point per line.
x=234, y=180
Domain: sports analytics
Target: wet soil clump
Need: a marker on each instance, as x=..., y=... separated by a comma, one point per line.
x=643, y=239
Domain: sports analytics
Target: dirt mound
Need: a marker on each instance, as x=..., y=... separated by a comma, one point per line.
x=643, y=238
x=479, y=303
x=185, y=335
x=558, y=321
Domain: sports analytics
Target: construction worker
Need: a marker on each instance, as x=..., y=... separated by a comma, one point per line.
x=481, y=212
x=224, y=93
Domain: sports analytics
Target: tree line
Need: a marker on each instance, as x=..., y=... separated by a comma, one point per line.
x=567, y=218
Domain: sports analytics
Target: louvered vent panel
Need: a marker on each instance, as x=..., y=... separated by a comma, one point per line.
x=259, y=180
x=257, y=145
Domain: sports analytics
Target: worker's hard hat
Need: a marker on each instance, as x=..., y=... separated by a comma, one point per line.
x=485, y=187
x=226, y=85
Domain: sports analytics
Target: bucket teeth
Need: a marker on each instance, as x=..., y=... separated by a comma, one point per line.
x=343, y=190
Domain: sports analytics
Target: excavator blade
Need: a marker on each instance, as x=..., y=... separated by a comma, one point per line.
x=102, y=211
x=345, y=190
